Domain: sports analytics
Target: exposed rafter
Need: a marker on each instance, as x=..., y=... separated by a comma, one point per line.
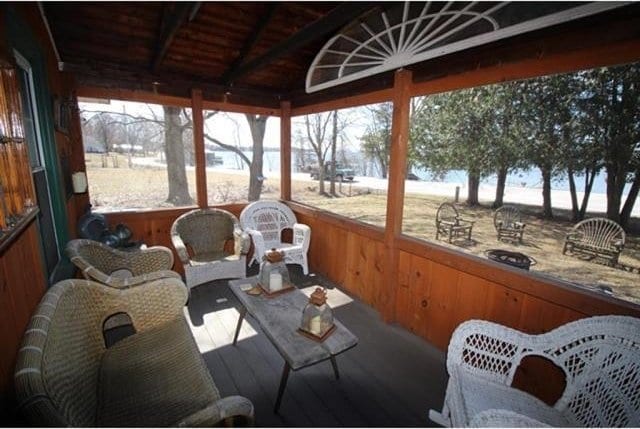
x=174, y=17
x=337, y=18
x=249, y=43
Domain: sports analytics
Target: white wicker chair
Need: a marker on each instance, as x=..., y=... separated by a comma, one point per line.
x=600, y=357
x=264, y=221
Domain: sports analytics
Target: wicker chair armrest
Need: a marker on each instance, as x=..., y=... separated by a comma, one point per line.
x=481, y=338
x=618, y=244
x=242, y=242
x=154, y=258
x=154, y=303
x=302, y=235
x=224, y=408
x=258, y=242
x=181, y=249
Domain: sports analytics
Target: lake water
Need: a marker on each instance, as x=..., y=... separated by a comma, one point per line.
x=528, y=179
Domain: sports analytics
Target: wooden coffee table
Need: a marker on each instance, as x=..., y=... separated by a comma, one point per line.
x=280, y=317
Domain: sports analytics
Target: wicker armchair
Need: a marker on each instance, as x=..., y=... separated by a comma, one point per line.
x=117, y=268
x=450, y=224
x=507, y=221
x=210, y=245
x=265, y=220
x=66, y=376
x=600, y=357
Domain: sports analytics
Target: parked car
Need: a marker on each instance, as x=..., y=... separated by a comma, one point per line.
x=343, y=172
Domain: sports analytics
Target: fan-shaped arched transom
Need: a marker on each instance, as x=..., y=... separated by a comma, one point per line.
x=411, y=32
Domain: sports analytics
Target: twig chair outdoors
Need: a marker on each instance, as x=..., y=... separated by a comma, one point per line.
x=600, y=357
x=66, y=376
x=265, y=220
x=118, y=268
x=210, y=245
x=596, y=236
x=508, y=223
x=450, y=224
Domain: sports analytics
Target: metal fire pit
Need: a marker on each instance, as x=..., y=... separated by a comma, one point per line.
x=515, y=259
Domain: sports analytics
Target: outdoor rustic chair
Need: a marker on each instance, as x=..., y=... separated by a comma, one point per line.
x=599, y=356
x=508, y=223
x=265, y=220
x=596, y=236
x=67, y=374
x=210, y=245
x=118, y=268
x=450, y=224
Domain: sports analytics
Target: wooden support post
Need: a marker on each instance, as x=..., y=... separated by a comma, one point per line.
x=198, y=148
x=395, y=195
x=285, y=151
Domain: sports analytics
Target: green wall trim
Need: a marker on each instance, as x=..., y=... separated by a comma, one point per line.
x=21, y=38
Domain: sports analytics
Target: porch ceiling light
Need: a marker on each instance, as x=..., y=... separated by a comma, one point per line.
x=410, y=32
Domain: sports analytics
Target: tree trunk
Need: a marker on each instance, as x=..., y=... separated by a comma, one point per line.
x=257, y=125
x=334, y=143
x=574, y=195
x=474, y=185
x=174, y=152
x=614, y=195
x=547, y=212
x=625, y=214
x=589, y=178
x=502, y=181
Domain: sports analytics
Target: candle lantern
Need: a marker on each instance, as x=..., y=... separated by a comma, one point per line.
x=274, y=275
x=317, y=317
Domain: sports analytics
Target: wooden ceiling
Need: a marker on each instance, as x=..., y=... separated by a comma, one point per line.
x=254, y=53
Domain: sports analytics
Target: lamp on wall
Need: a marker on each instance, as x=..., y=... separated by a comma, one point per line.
x=79, y=180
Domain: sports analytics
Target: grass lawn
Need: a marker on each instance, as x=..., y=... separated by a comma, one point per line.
x=146, y=187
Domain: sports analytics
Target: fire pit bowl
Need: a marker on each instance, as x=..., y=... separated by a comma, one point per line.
x=515, y=259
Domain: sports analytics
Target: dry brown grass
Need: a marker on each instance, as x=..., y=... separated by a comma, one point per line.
x=123, y=187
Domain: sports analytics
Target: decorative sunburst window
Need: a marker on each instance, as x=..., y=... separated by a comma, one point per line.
x=411, y=32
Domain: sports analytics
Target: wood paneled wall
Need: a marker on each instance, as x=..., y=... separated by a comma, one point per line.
x=22, y=284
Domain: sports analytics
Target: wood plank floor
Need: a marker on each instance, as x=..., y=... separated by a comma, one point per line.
x=391, y=378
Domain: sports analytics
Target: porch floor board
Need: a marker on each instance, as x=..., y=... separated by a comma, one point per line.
x=391, y=378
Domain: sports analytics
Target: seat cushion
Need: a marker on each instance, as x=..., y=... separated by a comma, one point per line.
x=154, y=378
x=478, y=394
x=208, y=257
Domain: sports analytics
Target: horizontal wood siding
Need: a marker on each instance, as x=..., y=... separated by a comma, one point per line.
x=22, y=285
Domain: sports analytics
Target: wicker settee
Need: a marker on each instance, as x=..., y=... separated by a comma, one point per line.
x=599, y=356
x=66, y=376
x=118, y=268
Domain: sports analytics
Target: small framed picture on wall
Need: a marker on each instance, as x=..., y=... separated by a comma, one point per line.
x=61, y=114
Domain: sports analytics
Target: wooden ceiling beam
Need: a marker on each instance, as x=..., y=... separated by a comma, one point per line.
x=172, y=20
x=338, y=17
x=249, y=43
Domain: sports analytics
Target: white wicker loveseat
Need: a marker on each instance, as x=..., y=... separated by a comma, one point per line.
x=66, y=376
x=600, y=357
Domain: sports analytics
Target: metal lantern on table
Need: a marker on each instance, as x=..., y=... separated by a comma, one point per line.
x=317, y=316
x=274, y=275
